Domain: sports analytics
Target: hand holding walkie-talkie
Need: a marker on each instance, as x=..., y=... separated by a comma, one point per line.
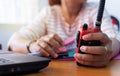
x=80, y=41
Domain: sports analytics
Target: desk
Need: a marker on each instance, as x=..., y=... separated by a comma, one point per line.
x=69, y=68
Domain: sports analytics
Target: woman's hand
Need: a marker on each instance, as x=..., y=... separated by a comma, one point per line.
x=96, y=56
x=48, y=45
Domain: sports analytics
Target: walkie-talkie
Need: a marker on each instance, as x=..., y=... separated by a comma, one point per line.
x=84, y=31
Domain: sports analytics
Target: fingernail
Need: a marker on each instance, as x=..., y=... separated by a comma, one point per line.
x=85, y=37
x=78, y=55
x=63, y=49
x=48, y=55
x=82, y=48
x=55, y=56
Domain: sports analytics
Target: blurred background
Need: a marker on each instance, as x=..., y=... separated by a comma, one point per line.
x=17, y=13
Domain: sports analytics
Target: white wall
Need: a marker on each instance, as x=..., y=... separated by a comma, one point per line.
x=112, y=6
x=6, y=30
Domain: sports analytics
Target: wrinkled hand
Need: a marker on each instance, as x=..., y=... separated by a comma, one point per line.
x=97, y=56
x=46, y=44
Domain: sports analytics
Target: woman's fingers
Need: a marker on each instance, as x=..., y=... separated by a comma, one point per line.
x=47, y=44
x=43, y=52
x=36, y=48
x=98, y=50
x=52, y=42
x=91, y=60
x=47, y=48
x=57, y=38
x=89, y=57
x=97, y=36
x=94, y=64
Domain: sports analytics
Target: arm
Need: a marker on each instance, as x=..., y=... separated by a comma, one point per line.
x=32, y=31
x=115, y=47
x=36, y=31
x=43, y=45
x=18, y=44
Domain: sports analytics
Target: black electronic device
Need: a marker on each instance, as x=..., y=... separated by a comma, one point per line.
x=15, y=63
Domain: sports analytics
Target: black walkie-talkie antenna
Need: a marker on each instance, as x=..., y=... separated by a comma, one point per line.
x=100, y=14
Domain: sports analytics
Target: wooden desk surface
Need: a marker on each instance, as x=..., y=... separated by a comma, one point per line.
x=69, y=68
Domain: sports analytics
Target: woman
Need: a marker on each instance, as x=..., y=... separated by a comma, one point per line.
x=61, y=21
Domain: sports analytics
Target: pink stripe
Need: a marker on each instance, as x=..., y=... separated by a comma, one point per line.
x=69, y=41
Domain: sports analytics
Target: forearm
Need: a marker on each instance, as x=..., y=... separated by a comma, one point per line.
x=115, y=47
x=18, y=44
